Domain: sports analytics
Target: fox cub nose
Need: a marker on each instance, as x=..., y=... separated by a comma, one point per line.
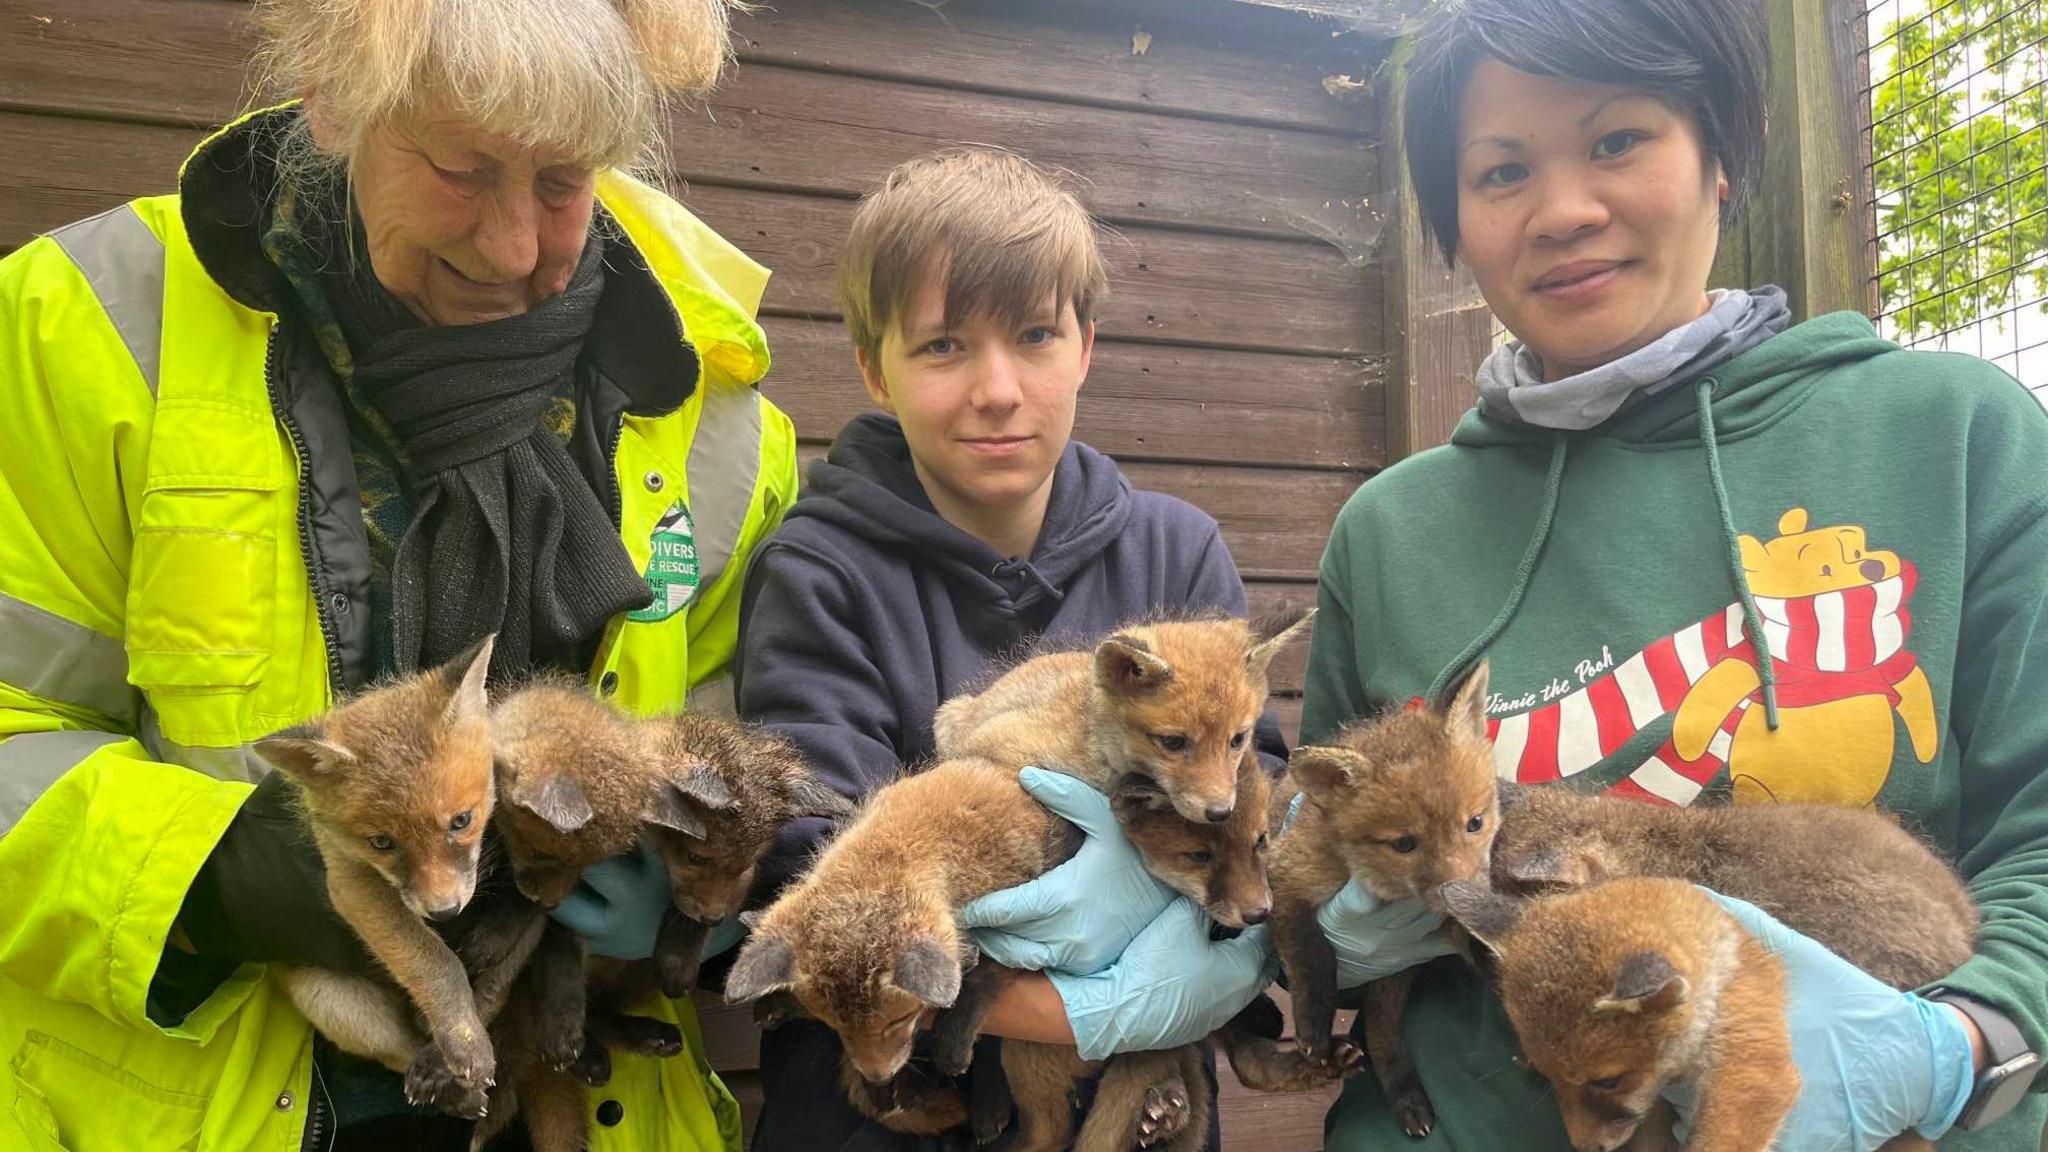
x=444, y=913
x=1257, y=915
x=1218, y=813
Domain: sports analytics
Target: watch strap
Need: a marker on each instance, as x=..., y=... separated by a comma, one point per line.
x=2002, y=1038
x=2013, y=1065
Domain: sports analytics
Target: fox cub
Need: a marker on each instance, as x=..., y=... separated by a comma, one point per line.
x=1150, y=1098
x=1620, y=990
x=1403, y=804
x=868, y=942
x=1173, y=701
x=1850, y=878
x=581, y=781
x=397, y=785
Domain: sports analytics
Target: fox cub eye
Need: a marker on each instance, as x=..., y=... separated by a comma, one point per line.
x=1605, y=1083
x=1199, y=856
x=382, y=843
x=461, y=821
x=1172, y=742
x=1476, y=823
x=1260, y=845
x=1403, y=845
x=1237, y=741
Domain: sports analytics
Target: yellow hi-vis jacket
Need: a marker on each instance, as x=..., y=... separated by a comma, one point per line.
x=182, y=571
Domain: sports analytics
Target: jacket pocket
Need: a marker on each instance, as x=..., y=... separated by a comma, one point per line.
x=202, y=589
x=68, y=1100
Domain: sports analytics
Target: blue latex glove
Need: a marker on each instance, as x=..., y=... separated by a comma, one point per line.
x=1080, y=916
x=1374, y=939
x=1172, y=986
x=618, y=905
x=1873, y=1062
x=722, y=937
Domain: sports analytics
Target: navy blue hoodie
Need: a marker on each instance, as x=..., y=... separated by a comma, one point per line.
x=865, y=611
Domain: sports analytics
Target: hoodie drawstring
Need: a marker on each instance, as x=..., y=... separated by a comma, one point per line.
x=1017, y=565
x=1760, y=647
x=1552, y=481
x=1753, y=623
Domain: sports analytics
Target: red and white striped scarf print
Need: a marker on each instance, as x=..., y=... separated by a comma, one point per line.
x=1831, y=646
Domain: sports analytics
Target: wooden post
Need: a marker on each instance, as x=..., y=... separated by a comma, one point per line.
x=1806, y=228
x=1438, y=328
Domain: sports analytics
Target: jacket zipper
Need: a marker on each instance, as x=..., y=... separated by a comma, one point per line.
x=316, y=1111
x=611, y=472
x=271, y=351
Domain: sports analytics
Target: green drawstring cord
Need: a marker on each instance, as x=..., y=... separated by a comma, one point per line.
x=1551, y=483
x=1753, y=620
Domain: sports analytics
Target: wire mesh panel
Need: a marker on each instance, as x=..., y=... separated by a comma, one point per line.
x=1958, y=103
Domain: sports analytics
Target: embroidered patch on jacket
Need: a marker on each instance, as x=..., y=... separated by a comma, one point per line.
x=672, y=574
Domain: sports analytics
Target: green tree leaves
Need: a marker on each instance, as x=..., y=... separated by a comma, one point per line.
x=1959, y=144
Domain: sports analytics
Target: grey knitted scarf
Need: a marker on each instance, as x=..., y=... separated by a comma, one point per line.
x=507, y=535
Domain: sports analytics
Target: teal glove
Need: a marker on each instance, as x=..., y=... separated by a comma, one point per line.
x=1873, y=1062
x=722, y=937
x=1081, y=915
x=1172, y=986
x=618, y=904
x=1375, y=939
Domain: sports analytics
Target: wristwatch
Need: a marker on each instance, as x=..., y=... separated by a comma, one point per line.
x=2002, y=1086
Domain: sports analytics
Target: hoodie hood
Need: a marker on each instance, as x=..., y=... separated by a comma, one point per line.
x=867, y=486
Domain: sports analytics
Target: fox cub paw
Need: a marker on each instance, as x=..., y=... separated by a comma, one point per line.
x=645, y=1036
x=1344, y=1058
x=1165, y=1112
x=1413, y=1110
x=593, y=1065
x=429, y=1081
x=678, y=973
x=559, y=1041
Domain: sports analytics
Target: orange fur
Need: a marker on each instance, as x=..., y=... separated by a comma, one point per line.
x=397, y=785
x=1402, y=804
x=1172, y=701
x=1620, y=990
x=867, y=942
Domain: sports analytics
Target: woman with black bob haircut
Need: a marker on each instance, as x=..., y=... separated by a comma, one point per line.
x=1709, y=556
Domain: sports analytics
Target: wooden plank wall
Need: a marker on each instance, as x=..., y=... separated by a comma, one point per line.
x=1230, y=148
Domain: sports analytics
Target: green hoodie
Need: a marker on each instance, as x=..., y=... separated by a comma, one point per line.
x=1892, y=509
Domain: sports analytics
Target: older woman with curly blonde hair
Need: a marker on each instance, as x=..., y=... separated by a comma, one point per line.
x=404, y=362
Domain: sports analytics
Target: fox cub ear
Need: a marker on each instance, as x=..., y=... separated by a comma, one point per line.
x=671, y=807
x=703, y=784
x=810, y=796
x=1467, y=712
x=1325, y=772
x=1646, y=982
x=765, y=964
x=1485, y=913
x=1260, y=657
x=466, y=675
x=556, y=798
x=927, y=970
x=1125, y=665
x=303, y=753
x=1551, y=867
x=1137, y=796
